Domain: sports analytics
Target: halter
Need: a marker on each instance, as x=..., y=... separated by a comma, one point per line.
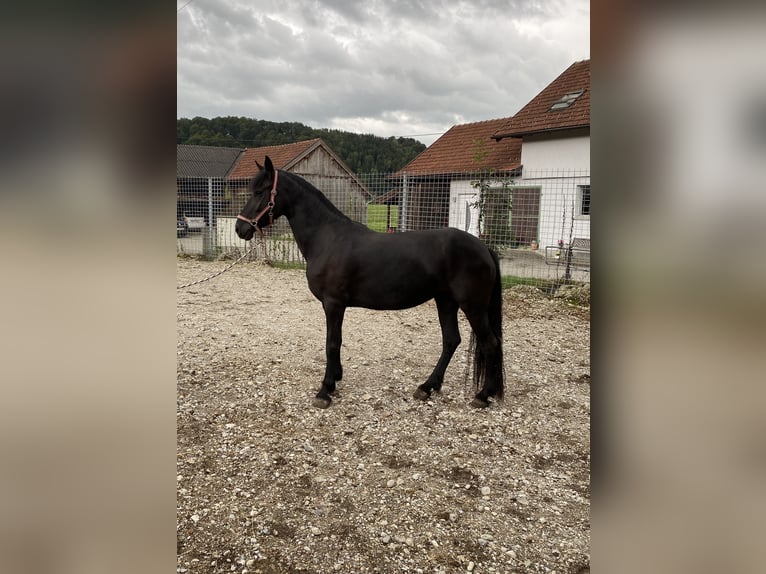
x=269, y=207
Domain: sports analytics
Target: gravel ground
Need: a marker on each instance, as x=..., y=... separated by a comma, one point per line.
x=379, y=482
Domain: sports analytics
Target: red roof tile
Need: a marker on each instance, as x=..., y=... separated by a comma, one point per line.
x=469, y=147
x=281, y=156
x=537, y=115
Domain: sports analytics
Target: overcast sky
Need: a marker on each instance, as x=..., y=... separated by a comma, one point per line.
x=386, y=67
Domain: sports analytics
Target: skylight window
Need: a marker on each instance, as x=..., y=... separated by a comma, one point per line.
x=567, y=100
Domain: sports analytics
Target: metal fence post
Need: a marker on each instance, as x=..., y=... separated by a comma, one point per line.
x=404, y=202
x=208, y=246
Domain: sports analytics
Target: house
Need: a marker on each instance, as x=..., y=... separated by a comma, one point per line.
x=197, y=169
x=438, y=186
x=314, y=161
x=554, y=128
x=532, y=169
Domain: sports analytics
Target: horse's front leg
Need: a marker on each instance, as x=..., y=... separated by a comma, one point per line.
x=333, y=371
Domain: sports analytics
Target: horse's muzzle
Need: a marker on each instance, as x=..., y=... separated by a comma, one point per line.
x=245, y=229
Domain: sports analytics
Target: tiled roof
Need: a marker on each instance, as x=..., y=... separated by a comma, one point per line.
x=281, y=156
x=469, y=147
x=537, y=115
x=204, y=161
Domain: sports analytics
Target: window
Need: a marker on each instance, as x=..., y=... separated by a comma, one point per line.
x=583, y=200
x=567, y=100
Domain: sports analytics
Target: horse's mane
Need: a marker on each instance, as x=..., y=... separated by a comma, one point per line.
x=321, y=197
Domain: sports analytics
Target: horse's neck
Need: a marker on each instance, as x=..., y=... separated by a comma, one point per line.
x=311, y=217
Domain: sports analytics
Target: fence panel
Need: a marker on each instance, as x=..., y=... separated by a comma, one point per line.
x=539, y=222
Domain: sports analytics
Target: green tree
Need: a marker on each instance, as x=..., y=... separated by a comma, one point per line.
x=361, y=152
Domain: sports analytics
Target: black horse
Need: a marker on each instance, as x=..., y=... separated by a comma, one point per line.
x=349, y=265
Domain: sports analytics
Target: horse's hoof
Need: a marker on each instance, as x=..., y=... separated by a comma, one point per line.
x=477, y=403
x=421, y=395
x=320, y=403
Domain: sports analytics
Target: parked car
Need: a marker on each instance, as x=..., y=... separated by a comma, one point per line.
x=194, y=223
x=181, y=228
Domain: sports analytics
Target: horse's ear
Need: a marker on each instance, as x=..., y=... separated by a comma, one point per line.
x=260, y=167
x=269, y=165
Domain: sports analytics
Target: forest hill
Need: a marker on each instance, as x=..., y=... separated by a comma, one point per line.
x=363, y=153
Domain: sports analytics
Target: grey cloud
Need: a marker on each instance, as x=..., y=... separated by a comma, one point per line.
x=326, y=62
x=424, y=11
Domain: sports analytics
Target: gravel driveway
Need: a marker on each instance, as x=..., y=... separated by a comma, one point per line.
x=379, y=482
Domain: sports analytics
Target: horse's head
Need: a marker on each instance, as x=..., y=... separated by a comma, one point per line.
x=261, y=209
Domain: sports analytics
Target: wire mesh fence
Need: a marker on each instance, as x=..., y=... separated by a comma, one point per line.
x=538, y=222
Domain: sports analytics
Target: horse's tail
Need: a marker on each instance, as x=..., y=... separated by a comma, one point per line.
x=496, y=324
x=481, y=362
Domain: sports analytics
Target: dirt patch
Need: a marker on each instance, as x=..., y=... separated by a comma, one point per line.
x=379, y=482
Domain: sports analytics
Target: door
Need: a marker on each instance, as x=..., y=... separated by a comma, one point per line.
x=525, y=215
x=463, y=214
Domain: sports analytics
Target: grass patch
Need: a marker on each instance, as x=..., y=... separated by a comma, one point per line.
x=508, y=281
x=287, y=265
x=376, y=216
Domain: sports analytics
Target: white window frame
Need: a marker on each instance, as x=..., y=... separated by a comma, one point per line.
x=579, y=214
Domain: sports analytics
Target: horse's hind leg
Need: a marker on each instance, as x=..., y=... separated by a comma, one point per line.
x=450, y=340
x=488, y=360
x=333, y=370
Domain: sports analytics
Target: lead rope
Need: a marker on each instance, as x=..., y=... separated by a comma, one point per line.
x=270, y=208
x=248, y=252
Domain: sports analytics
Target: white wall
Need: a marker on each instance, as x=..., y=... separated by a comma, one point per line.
x=558, y=201
x=558, y=164
x=556, y=153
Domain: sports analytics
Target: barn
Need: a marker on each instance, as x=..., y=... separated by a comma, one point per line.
x=315, y=162
x=212, y=185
